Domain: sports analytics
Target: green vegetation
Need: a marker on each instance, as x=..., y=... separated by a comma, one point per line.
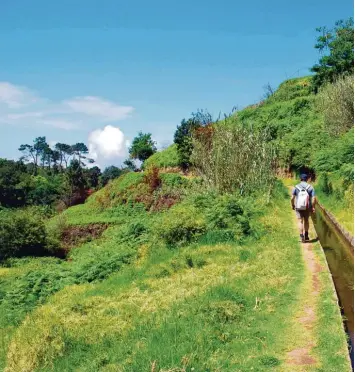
x=233, y=158
x=22, y=233
x=337, y=195
x=197, y=286
x=167, y=158
x=142, y=147
x=183, y=141
x=165, y=272
x=336, y=103
x=339, y=42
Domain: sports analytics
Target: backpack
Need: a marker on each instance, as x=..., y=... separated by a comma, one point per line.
x=302, y=202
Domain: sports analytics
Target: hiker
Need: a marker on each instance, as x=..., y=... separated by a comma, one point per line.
x=304, y=195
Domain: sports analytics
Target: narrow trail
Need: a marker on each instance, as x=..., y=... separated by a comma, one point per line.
x=302, y=356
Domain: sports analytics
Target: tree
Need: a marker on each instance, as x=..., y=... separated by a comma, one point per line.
x=142, y=147
x=94, y=175
x=338, y=43
x=130, y=165
x=45, y=190
x=183, y=140
x=14, y=183
x=46, y=155
x=65, y=152
x=202, y=117
x=55, y=158
x=34, y=152
x=80, y=150
x=76, y=175
x=110, y=173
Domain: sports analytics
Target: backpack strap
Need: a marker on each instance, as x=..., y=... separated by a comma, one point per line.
x=308, y=186
x=298, y=188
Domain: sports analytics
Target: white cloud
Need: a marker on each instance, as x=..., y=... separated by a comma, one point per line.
x=21, y=107
x=25, y=115
x=96, y=106
x=107, y=143
x=61, y=124
x=52, y=143
x=15, y=96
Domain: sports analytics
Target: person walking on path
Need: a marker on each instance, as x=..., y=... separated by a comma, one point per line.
x=303, y=202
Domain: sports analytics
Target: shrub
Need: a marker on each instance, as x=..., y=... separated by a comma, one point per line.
x=173, y=180
x=181, y=225
x=54, y=230
x=152, y=178
x=336, y=103
x=22, y=233
x=231, y=213
x=136, y=229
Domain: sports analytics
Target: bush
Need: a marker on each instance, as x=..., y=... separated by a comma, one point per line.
x=181, y=225
x=136, y=229
x=22, y=233
x=336, y=103
x=232, y=214
x=55, y=229
x=152, y=178
x=173, y=179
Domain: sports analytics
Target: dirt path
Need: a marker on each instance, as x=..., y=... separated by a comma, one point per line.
x=306, y=318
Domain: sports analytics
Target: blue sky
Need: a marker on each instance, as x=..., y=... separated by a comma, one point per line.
x=100, y=71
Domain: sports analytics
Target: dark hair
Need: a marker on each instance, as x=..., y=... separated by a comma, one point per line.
x=304, y=177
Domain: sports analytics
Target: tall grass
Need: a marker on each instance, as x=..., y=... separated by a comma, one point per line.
x=234, y=158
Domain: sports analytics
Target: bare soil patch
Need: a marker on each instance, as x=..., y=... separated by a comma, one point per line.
x=75, y=235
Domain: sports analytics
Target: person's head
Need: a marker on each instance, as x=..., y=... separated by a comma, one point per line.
x=304, y=177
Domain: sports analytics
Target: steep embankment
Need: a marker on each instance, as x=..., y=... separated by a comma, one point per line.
x=182, y=279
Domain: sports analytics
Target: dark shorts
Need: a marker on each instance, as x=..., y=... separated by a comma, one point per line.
x=303, y=214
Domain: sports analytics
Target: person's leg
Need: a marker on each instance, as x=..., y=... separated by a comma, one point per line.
x=300, y=223
x=306, y=225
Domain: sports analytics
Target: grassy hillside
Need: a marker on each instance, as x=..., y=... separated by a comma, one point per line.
x=163, y=273
x=296, y=127
x=182, y=279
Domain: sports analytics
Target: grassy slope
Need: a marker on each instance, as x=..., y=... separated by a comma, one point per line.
x=292, y=119
x=208, y=306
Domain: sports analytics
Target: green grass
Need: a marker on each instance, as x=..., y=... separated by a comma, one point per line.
x=223, y=298
x=167, y=158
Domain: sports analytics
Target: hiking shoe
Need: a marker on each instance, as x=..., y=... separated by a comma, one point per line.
x=306, y=238
x=302, y=238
